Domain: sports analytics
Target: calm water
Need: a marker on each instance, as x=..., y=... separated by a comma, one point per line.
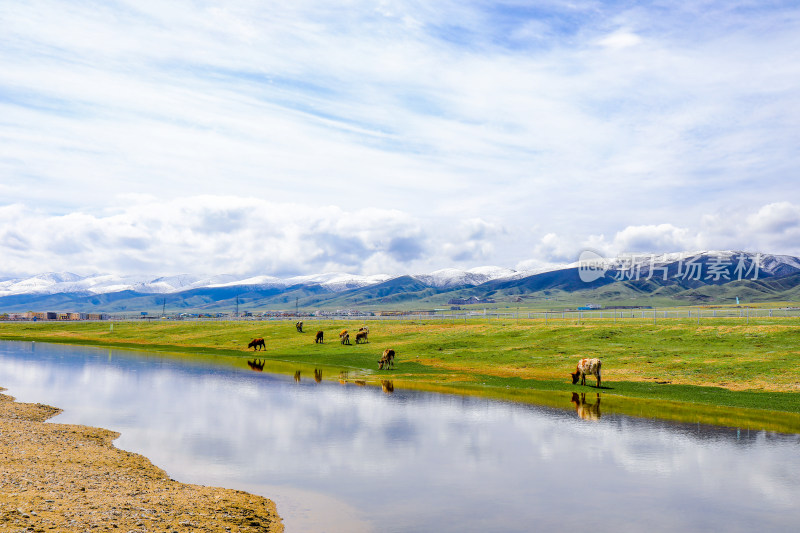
x=348, y=458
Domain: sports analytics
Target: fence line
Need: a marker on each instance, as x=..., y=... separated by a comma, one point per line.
x=653, y=314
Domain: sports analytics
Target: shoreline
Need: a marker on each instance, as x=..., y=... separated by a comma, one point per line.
x=72, y=478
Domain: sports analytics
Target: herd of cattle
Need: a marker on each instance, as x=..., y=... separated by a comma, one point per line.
x=362, y=336
x=585, y=366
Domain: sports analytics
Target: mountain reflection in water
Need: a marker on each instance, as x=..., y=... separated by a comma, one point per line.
x=363, y=459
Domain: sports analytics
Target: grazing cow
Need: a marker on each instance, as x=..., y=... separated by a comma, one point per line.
x=257, y=344
x=318, y=338
x=386, y=359
x=586, y=410
x=299, y=326
x=345, y=338
x=256, y=364
x=342, y=333
x=587, y=366
x=361, y=336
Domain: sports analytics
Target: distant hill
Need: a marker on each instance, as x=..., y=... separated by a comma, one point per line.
x=685, y=278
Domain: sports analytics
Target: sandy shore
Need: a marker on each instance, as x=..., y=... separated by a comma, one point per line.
x=57, y=477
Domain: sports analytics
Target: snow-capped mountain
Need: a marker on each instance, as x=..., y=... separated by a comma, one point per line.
x=62, y=282
x=66, y=282
x=452, y=277
x=672, y=265
x=333, y=281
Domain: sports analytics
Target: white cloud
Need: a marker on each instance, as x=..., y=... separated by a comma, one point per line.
x=778, y=219
x=654, y=237
x=208, y=235
x=773, y=228
x=620, y=39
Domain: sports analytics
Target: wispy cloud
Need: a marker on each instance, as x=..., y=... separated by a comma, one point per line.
x=538, y=120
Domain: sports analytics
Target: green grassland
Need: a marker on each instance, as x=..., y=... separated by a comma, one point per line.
x=722, y=371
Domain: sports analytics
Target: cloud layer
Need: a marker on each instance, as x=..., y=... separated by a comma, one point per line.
x=227, y=234
x=392, y=135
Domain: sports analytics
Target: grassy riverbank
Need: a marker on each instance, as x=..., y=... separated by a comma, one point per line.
x=730, y=370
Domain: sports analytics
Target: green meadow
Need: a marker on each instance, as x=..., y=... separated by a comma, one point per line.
x=728, y=372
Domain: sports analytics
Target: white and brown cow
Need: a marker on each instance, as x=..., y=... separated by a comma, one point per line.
x=587, y=366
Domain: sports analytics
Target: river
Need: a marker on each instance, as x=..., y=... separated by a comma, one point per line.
x=347, y=458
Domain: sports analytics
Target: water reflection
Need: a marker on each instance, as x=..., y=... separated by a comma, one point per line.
x=256, y=364
x=586, y=410
x=446, y=463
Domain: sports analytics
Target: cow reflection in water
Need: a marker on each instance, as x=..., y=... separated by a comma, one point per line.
x=297, y=376
x=317, y=375
x=585, y=410
x=256, y=364
x=387, y=386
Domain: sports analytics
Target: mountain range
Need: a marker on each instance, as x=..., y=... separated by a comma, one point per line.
x=641, y=279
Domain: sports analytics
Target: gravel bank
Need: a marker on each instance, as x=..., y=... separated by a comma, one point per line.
x=57, y=477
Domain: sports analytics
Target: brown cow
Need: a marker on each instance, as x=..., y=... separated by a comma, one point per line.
x=299, y=326
x=318, y=338
x=361, y=336
x=386, y=359
x=257, y=344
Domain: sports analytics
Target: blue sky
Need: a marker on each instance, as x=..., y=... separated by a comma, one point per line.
x=285, y=138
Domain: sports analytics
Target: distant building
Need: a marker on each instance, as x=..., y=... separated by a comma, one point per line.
x=406, y=313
